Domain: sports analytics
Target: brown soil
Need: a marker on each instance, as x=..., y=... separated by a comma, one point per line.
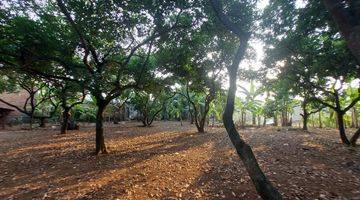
x=169, y=161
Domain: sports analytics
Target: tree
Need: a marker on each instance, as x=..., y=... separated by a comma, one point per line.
x=334, y=94
x=311, y=55
x=308, y=108
x=150, y=103
x=70, y=95
x=241, y=30
x=39, y=93
x=99, y=49
x=199, y=104
x=346, y=15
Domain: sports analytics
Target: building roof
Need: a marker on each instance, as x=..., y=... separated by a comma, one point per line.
x=17, y=99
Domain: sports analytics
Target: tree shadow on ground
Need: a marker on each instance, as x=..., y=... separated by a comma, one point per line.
x=59, y=166
x=301, y=167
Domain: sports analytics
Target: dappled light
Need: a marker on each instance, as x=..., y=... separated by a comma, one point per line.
x=179, y=99
x=170, y=160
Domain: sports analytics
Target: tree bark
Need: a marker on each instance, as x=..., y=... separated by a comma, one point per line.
x=320, y=121
x=31, y=122
x=99, y=139
x=305, y=116
x=305, y=121
x=42, y=122
x=275, y=120
x=264, y=123
x=348, y=29
x=253, y=119
x=354, y=120
x=264, y=188
x=355, y=137
x=340, y=120
x=284, y=118
x=261, y=183
x=65, y=122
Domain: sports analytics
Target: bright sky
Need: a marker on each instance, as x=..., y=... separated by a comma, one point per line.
x=258, y=46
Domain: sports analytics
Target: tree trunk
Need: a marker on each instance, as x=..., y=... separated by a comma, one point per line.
x=355, y=137
x=261, y=183
x=275, y=120
x=264, y=123
x=284, y=119
x=336, y=121
x=99, y=139
x=349, y=30
x=244, y=119
x=305, y=121
x=201, y=129
x=65, y=122
x=305, y=115
x=354, y=120
x=42, y=122
x=31, y=122
x=320, y=121
x=340, y=120
x=253, y=119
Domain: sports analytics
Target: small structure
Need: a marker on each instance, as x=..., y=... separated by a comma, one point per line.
x=10, y=115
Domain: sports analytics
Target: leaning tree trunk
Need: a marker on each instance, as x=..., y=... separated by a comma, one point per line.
x=355, y=137
x=65, y=122
x=99, y=139
x=341, y=127
x=265, y=189
x=320, y=120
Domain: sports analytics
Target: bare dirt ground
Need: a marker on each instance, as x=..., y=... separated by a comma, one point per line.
x=169, y=161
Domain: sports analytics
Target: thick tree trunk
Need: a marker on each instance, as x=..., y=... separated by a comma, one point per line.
x=261, y=183
x=305, y=115
x=336, y=121
x=65, y=122
x=201, y=129
x=305, y=121
x=340, y=120
x=349, y=30
x=99, y=139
